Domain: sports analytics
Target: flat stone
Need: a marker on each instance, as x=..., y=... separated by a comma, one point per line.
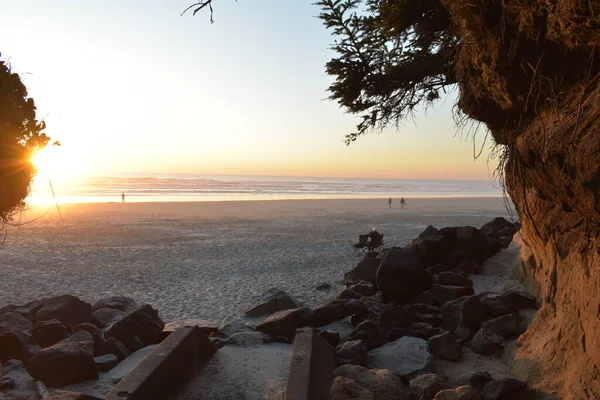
x=334, y=311
x=407, y=356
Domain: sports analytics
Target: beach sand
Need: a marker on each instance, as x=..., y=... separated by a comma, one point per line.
x=210, y=260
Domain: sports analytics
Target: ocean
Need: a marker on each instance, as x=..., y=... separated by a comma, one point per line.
x=165, y=187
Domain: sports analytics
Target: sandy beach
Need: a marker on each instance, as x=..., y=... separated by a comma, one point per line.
x=209, y=259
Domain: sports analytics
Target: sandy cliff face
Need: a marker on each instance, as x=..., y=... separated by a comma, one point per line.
x=529, y=70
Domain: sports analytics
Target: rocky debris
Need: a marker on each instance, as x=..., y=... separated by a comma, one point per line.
x=13, y=320
x=334, y=311
x=344, y=389
x=365, y=270
x=68, y=309
x=426, y=386
x=370, y=333
x=106, y=362
x=64, y=395
x=231, y=328
x=7, y=383
x=247, y=339
x=445, y=293
x=15, y=344
x=206, y=328
x=407, y=356
x=284, y=323
x=505, y=389
x=479, y=379
x=332, y=337
x=112, y=346
x=487, y=342
x=275, y=300
x=48, y=333
x=452, y=279
x=139, y=328
x=383, y=383
x=121, y=303
x=324, y=286
x=395, y=317
x=400, y=276
x=68, y=361
x=349, y=370
x=444, y=347
x=460, y=393
x=104, y=317
x=352, y=352
x=364, y=288
x=466, y=311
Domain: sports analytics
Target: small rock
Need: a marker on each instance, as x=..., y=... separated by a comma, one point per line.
x=332, y=337
x=347, y=389
x=444, y=347
x=383, y=383
x=505, y=389
x=284, y=323
x=425, y=387
x=7, y=383
x=93, y=330
x=349, y=370
x=487, y=342
x=407, y=356
x=106, y=362
x=445, y=293
x=479, y=379
x=48, y=333
x=352, y=352
x=324, y=286
x=453, y=279
x=273, y=302
x=370, y=333
x=460, y=393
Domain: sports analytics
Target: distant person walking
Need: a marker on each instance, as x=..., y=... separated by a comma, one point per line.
x=390, y=202
x=402, y=202
x=123, y=197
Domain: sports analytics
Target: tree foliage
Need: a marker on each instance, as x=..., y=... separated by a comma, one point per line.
x=393, y=55
x=21, y=134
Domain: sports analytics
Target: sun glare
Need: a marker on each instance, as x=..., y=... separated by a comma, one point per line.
x=50, y=162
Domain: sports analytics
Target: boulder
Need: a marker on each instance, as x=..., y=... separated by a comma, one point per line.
x=365, y=270
x=69, y=310
x=520, y=300
x=506, y=389
x=425, y=331
x=496, y=225
x=335, y=310
x=275, y=300
x=467, y=268
x=460, y=393
x=479, y=379
x=104, y=317
x=503, y=326
x=13, y=320
x=436, y=269
x=466, y=311
x=383, y=383
x=284, y=323
x=206, y=328
x=349, y=370
x=48, y=333
x=364, y=288
x=347, y=389
x=432, y=319
x=444, y=347
x=453, y=279
x=69, y=361
x=487, y=342
x=15, y=345
x=26, y=310
x=121, y=303
x=332, y=337
x=401, y=277
x=395, y=317
x=93, y=330
x=431, y=247
x=352, y=352
x=445, y=293
x=473, y=242
x=64, y=395
x=407, y=356
x=495, y=304
x=424, y=298
x=112, y=346
x=231, y=328
x=139, y=328
x=370, y=333
x=106, y=362
x=425, y=387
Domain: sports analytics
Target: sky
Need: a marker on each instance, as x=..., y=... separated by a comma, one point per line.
x=133, y=87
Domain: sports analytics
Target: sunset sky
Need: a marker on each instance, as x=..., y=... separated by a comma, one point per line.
x=133, y=87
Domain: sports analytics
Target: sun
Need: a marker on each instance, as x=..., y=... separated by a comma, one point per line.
x=50, y=162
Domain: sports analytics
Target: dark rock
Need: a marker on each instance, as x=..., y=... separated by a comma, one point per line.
x=13, y=320
x=495, y=244
x=232, y=328
x=121, y=303
x=48, y=333
x=324, y=286
x=69, y=361
x=7, y=383
x=93, y=330
x=424, y=330
x=344, y=388
x=401, y=277
x=445, y=293
x=407, y=356
x=64, y=395
x=335, y=310
x=104, y=317
x=349, y=370
x=496, y=225
x=424, y=298
x=397, y=333
x=140, y=328
x=465, y=311
x=370, y=333
x=520, y=300
x=284, y=323
x=444, y=347
x=106, y=362
x=473, y=242
x=395, y=317
x=26, y=309
x=69, y=310
x=14, y=344
x=364, y=288
x=348, y=294
x=436, y=269
x=425, y=387
x=503, y=326
x=365, y=270
x=479, y=379
x=463, y=334
x=496, y=305
x=467, y=268
x=452, y=278
x=460, y=393
x=112, y=346
x=506, y=389
x=332, y=337
x=431, y=319
x=421, y=308
x=275, y=300
x=219, y=342
x=205, y=327
x=487, y=342
x=247, y=339
x=383, y=383
x=352, y=352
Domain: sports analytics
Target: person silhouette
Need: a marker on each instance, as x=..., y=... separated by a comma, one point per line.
x=123, y=197
x=402, y=202
x=390, y=202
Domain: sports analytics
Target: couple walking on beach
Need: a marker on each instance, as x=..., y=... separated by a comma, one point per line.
x=402, y=202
